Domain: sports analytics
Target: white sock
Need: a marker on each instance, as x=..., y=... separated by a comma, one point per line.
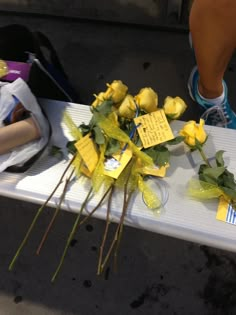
x=214, y=101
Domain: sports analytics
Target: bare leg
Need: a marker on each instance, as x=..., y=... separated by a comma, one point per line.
x=213, y=30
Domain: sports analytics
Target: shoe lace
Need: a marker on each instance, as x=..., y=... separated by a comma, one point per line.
x=218, y=115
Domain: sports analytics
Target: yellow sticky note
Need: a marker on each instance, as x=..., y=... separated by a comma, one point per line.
x=114, y=165
x=88, y=152
x=226, y=212
x=153, y=128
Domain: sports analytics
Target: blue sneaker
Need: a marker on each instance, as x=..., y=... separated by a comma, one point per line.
x=214, y=115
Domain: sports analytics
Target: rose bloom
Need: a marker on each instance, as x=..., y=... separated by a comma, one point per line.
x=99, y=99
x=174, y=107
x=192, y=131
x=116, y=90
x=127, y=108
x=147, y=100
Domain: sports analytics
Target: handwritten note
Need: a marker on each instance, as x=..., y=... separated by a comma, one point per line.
x=153, y=128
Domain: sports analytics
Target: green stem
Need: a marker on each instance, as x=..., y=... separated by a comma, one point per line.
x=72, y=233
x=12, y=263
x=204, y=157
x=119, y=235
x=62, y=197
x=95, y=209
x=106, y=231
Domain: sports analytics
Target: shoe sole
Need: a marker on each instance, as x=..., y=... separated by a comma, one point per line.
x=190, y=80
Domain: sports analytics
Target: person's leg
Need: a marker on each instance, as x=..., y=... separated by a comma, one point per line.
x=213, y=31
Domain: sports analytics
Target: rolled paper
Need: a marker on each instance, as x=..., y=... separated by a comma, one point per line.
x=17, y=134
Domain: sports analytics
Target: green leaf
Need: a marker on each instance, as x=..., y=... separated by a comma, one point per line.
x=202, y=168
x=219, y=158
x=230, y=192
x=112, y=147
x=98, y=135
x=208, y=179
x=176, y=140
x=56, y=151
x=105, y=108
x=152, y=153
x=214, y=172
x=85, y=129
x=228, y=180
x=159, y=154
x=163, y=157
x=71, y=147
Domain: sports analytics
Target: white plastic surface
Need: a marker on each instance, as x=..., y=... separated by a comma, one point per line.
x=182, y=217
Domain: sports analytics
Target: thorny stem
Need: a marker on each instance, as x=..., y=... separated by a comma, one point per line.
x=12, y=263
x=71, y=235
x=106, y=230
x=62, y=197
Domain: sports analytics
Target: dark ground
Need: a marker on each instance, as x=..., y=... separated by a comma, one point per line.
x=157, y=274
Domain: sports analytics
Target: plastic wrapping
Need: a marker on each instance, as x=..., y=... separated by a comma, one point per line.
x=20, y=90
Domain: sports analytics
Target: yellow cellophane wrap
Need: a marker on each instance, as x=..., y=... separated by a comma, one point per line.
x=99, y=179
x=77, y=164
x=116, y=133
x=73, y=129
x=127, y=175
x=202, y=190
x=149, y=196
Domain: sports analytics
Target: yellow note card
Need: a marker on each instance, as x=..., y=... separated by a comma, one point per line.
x=113, y=166
x=226, y=212
x=88, y=152
x=153, y=128
x=84, y=170
x=155, y=171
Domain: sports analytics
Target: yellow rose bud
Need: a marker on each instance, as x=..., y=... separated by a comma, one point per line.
x=147, y=100
x=98, y=99
x=192, y=131
x=127, y=108
x=116, y=90
x=174, y=107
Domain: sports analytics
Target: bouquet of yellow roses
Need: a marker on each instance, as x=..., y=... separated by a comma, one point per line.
x=125, y=141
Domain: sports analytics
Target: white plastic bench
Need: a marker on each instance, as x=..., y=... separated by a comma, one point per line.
x=182, y=217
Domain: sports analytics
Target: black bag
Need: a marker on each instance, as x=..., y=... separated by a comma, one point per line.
x=47, y=78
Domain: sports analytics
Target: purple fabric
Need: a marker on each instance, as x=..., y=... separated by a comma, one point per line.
x=17, y=70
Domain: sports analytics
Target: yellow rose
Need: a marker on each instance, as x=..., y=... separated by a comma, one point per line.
x=116, y=90
x=147, y=100
x=127, y=108
x=192, y=131
x=98, y=99
x=174, y=107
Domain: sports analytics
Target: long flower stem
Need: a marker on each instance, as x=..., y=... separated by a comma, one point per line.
x=12, y=263
x=106, y=231
x=119, y=236
x=203, y=155
x=71, y=235
x=95, y=209
x=55, y=214
x=120, y=224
